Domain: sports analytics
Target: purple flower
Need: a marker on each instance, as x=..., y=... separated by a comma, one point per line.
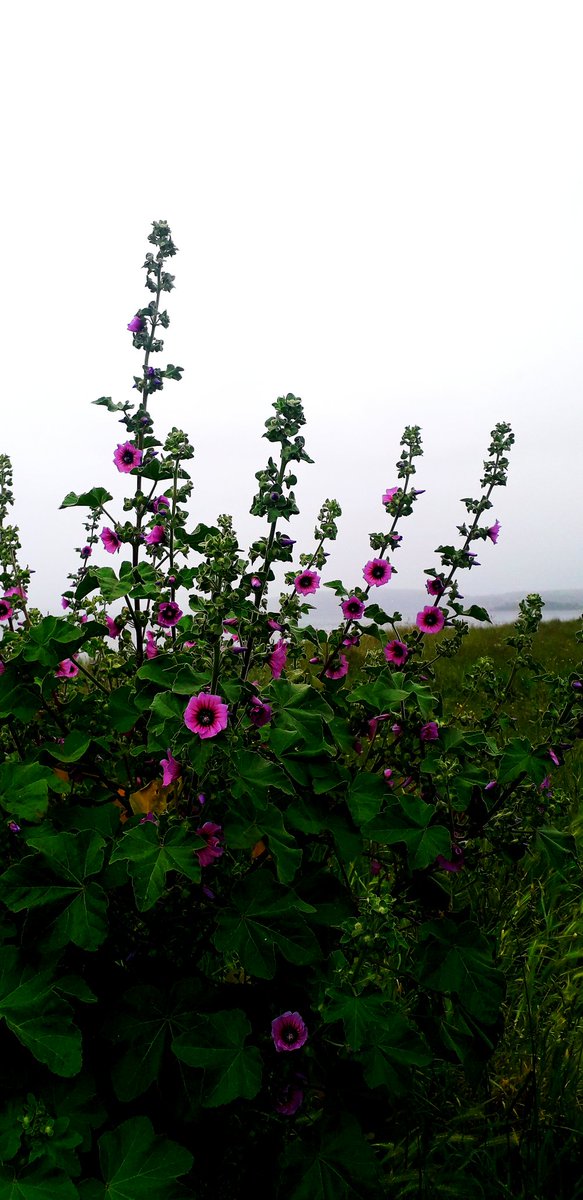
x=67, y=669
x=86, y=552
x=337, y=667
x=110, y=540
x=390, y=494
x=206, y=715
x=13, y=827
x=493, y=532
x=136, y=324
x=6, y=610
x=352, y=608
x=577, y=685
x=170, y=769
x=453, y=865
x=255, y=581
x=169, y=613
x=286, y=541
x=126, y=457
x=16, y=591
x=396, y=652
x=397, y=729
x=375, y=867
x=278, y=658
x=213, y=849
x=260, y=713
x=64, y=602
x=307, y=583
x=149, y=819
x=429, y=732
x=377, y=571
x=431, y=620
x=156, y=536
x=289, y=1032
x=151, y=647
x=290, y=1099
x=160, y=503
x=435, y=587
x=388, y=776
x=553, y=756
x=113, y=629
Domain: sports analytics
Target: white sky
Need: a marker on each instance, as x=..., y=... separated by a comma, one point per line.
x=377, y=206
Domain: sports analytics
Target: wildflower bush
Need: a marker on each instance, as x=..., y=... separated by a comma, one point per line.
x=256, y=875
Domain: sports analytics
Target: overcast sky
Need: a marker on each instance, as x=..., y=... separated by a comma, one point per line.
x=378, y=207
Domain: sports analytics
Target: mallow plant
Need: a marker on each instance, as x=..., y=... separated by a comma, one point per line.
x=245, y=859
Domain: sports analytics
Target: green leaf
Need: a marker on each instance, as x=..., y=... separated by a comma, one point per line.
x=37, y=1017
x=245, y=827
x=341, y=1166
x=559, y=849
x=36, y=1183
x=138, y=1165
x=458, y=960
x=72, y=859
x=396, y=1049
x=150, y=855
x=477, y=613
x=110, y=586
x=266, y=917
x=519, y=758
x=423, y=841
x=96, y=498
x=75, y=745
x=143, y=1024
x=24, y=789
x=365, y=797
x=122, y=713
x=256, y=775
x=216, y=1044
x=301, y=710
x=361, y=1015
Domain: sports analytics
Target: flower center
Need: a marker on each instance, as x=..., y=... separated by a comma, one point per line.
x=289, y=1034
x=127, y=456
x=378, y=572
x=205, y=716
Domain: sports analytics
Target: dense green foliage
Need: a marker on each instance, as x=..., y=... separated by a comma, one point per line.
x=281, y=912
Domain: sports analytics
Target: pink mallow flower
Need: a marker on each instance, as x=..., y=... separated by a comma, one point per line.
x=451, y=864
x=170, y=769
x=136, y=324
x=377, y=571
x=435, y=587
x=337, y=668
x=6, y=610
x=289, y=1100
x=352, y=608
x=206, y=715
x=429, y=732
x=151, y=647
x=278, y=658
x=160, y=503
x=113, y=629
x=65, y=603
x=390, y=494
x=306, y=583
x=213, y=849
x=110, y=540
x=67, y=669
x=169, y=613
x=431, y=620
x=127, y=456
x=260, y=713
x=289, y=1032
x=156, y=536
x=16, y=591
x=493, y=532
x=396, y=652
